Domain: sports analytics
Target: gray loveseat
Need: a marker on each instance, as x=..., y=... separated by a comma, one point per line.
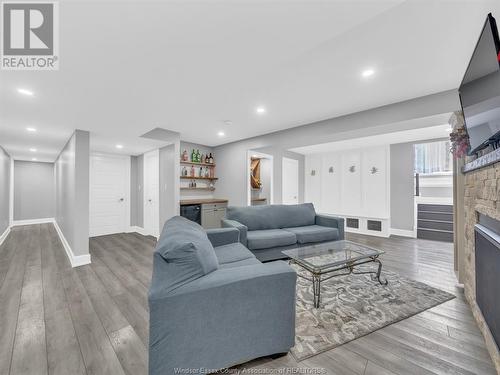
x=212, y=304
x=267, y=230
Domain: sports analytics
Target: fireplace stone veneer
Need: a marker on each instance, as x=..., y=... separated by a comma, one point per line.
x=482, y=188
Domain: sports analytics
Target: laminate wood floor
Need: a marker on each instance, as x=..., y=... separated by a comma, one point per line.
x=55, y=319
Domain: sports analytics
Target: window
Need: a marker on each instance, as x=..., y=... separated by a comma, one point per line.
x=433, y=157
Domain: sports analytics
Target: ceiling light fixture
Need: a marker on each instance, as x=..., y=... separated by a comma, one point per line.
x=31, y=130
x=260, y=110
x=221, y=134
x=368, y=73
x=119, y=146
x=25, y=92
x=33, y=149
x=34, y=159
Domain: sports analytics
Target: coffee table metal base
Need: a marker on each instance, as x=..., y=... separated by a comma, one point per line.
x=318, y=277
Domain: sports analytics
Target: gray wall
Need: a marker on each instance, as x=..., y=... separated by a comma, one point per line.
x=34, y=190
x=402, y=186
x=190, y=146
x=169, y=182
x=232, y=157
x=196, y=194
x=278, y=156
x=4, y=190
x=72, y=192
x=137, y=191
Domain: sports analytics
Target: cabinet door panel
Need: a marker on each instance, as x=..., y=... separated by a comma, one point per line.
x=313, y=181
x=375, y=176
x=351, y=197
x=330, y=183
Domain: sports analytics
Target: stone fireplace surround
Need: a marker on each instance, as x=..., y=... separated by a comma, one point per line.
x=482, y=188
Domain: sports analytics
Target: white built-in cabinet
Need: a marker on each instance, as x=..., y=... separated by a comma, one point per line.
x=353, y=184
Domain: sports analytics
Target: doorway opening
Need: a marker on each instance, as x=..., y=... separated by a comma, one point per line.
x=259, y=178
x=433, y=171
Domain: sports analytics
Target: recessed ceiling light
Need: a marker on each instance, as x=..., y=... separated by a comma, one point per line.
x=368, y=73
x=260, y=110
x=34, y=159
x=221, y=134
x=25, y=92
x=31, y=130
x=33, y=149
x=119, y=146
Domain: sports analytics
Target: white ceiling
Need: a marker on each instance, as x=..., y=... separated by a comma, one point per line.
x=412, y=135
x=127, y=67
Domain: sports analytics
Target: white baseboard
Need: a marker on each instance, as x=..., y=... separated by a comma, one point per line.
x=137, y=229
x=75, y=260
x=4, y=235
x=402, y=233
x=44, y=220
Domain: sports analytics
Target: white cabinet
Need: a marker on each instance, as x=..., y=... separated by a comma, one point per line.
x=376, y=183
x=330, y=183
x=212, y=214
x=350, y=193
x=351, y=183
x=313, y=169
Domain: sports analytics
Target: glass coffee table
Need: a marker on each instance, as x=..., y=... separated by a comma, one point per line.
x=320, y=260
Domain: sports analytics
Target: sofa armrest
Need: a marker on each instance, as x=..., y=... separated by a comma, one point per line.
x=226, y=223
x=226, y=317
x=223, y=236
x=332, y=222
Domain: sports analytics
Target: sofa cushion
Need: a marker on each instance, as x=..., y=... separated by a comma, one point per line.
x=274, y=216
x=264, y=239
x=232, y=252
x=184, y=245
x=241, y=263
x=314, y=233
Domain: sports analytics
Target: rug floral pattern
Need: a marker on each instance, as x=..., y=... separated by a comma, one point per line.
x=353, y=306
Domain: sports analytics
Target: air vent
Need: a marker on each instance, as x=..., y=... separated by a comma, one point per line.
x=374, y=225
x=352, y=223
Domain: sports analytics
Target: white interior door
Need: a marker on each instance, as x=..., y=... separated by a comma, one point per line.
x=109, y=194
x=152, y=193
x=290, y=184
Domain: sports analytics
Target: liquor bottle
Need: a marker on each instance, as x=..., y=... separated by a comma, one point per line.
x=198, y=156
x=193, y=156
x=192, y=171
x=211, y=159
x=207, y=172
x=185, y=156
x=207, y=159
x=201, y=172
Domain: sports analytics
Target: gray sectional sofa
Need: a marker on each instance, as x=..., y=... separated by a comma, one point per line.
x=267, y=230
x=212, y=304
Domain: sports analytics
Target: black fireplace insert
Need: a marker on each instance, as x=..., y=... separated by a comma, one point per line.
x=487, y=241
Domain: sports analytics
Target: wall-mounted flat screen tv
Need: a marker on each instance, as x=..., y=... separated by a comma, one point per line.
x=480, y=89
